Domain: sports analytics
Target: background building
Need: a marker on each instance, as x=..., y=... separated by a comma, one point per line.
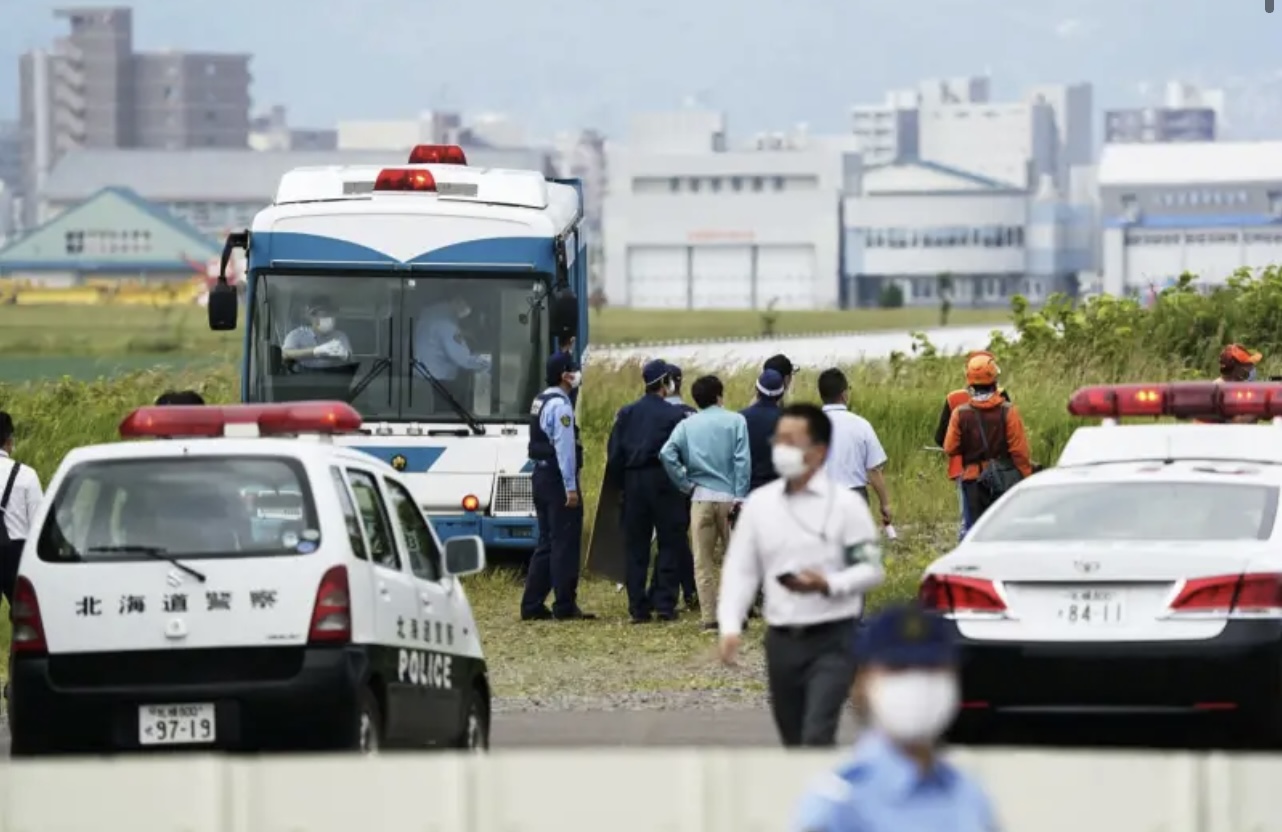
x=218, y=191
x=92, y=90
x=1208, y=208
x=113, y=235
x=692, y=225
x=271, y=131
x=1159, y=124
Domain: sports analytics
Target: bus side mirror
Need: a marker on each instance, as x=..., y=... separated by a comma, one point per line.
x=564, y=312
x=224, y=300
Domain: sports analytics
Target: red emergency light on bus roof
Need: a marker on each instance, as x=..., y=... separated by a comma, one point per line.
x=1182, y=400
x=438, y=154
x=399, y=179
x=201, y=421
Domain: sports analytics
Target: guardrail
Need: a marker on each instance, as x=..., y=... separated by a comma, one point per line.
x=573, y=791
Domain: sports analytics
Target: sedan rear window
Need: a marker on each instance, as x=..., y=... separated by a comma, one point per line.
x=188, y=507
x=1162, y=511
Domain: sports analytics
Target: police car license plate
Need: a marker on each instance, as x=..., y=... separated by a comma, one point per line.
x=176, y=724
x=1092, y=607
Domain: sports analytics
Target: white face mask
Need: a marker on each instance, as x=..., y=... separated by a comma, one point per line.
x=576, y=378
x=324, y=325
x=789, y=461
x=914, y=706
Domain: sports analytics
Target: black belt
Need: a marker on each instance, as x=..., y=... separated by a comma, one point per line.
x=862, y=491
x=807, y=630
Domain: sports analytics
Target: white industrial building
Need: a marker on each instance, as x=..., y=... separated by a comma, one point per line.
x=691, y=224
x=1208, y=208
x=928, y=230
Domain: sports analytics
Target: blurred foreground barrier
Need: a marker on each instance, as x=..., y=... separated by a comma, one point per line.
x=624, y=791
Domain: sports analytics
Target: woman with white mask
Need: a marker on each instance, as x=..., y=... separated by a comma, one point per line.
x=908, y=688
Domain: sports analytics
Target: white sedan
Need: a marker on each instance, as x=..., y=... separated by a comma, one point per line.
x=1141, y=576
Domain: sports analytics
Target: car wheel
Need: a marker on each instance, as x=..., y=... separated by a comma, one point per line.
x=476, y=726
x=369, y=723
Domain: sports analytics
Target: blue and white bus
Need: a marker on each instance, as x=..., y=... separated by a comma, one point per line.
x=383, y=247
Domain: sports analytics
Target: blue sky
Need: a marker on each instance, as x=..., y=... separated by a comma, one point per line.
x=770, y=64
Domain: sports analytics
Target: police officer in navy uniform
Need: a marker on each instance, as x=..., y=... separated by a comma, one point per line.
x=907, y=689
x=762, y=417
x=554, y=565
x=652, y=505
x=685, y=561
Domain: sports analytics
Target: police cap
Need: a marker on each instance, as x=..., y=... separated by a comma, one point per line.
x=558, y=365
x=674, y=372
x=781, y=364
x=906, y=636
x=655, y=371
x=770, y=383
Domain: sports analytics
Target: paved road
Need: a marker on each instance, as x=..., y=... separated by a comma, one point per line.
x=574, y=729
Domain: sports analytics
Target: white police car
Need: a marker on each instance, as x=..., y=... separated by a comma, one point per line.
x=1142, y=576
x=231, y=588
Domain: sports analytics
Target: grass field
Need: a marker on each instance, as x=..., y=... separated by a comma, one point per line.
x=595, y=658
x=47, y=342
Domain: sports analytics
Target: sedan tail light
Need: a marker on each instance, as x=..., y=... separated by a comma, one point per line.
x=1250, y=594
x=956, y=595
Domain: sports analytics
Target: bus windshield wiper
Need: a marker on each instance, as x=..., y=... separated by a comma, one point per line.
x=154, y=552
x=380, y=366
x=466, y=415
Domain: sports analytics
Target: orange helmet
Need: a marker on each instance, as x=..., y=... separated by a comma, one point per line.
x=981, y=370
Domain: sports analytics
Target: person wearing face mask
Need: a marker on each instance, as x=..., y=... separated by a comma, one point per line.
x=815, y=546
x=554, y=564
x=318, y=344
x=440, y=346
x=908, y=690
x=652, y=505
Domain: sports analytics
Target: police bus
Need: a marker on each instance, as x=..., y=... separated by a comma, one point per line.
x=394, y=253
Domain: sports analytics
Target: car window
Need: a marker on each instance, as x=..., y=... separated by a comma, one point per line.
x=425, y=558
x=188, y=507
x=374, y=517
x=1150, y=511
x=349, y=515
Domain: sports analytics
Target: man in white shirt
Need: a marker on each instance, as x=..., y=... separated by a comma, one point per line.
x=856, y=455
x=815, y=546
x=20, y=497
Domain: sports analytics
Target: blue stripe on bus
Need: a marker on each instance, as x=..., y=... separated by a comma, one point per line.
x=417, y=460
x=281, y=247
x=528, y=468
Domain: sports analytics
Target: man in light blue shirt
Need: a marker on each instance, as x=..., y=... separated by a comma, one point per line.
x=707, y=457
x=317, y=344
x=855, y=457
x=909, y=688
x=440, y=346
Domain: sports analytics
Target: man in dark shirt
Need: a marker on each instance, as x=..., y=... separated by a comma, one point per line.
x=762, y=417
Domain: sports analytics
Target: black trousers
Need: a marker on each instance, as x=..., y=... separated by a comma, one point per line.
x=554, y=564
x=685, y=562
x=652, y=507
x=10, y=555
x=809, y=671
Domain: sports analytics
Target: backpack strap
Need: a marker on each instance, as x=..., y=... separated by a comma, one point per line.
x=8, y=486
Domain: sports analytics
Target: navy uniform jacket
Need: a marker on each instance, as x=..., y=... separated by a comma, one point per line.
x=762, y=418
x=639, y=433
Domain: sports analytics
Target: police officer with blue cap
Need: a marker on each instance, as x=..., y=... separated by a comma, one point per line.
x=652, y=505
x=908, y=689
x=554, y=564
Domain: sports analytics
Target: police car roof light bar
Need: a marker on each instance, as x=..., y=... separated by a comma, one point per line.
x=1181, y=400
x=396, y=180
x=212, y=421
x=438, y=154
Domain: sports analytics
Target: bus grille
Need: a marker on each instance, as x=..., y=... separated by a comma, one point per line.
x=513, y=495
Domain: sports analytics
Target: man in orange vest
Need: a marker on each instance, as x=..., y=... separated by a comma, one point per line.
x=986, y=436
x=956, y=399
x=1237, y=363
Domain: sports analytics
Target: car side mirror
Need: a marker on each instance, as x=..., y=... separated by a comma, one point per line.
x=464, y=556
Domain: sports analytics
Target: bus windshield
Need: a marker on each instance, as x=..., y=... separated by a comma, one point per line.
x=428, y=348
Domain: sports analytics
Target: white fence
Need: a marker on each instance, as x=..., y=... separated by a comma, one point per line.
x=623, y=791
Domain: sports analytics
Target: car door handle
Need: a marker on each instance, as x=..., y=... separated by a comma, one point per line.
x=426, y=599
x=384, y=591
